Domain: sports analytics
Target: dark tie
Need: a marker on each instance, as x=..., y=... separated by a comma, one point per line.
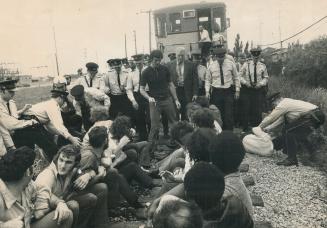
x=118, y=79
x=8, y=108
x=140, y=74
x=91, y=80
x=222, y=81
x=255, y=73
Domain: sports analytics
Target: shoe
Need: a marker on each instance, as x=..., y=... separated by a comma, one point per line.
x=288, y=162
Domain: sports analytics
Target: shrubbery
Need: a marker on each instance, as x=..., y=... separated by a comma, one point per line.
x=307, y=64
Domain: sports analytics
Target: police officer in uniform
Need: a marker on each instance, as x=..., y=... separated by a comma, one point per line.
x=92, y=78
x=222, y=85
x=140, y=104
x=254, y=79
x=116, y=82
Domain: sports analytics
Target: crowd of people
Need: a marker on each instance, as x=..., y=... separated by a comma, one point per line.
x=100, y=133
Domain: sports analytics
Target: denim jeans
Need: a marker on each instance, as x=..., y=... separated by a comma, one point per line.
x=165, y=107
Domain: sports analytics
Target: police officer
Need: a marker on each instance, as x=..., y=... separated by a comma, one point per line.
x=91, y=78
x=116, y=82
x=254, y=79
x=140, y=104
x=222, y=85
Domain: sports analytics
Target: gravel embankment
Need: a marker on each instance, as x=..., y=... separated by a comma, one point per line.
x=289, y=193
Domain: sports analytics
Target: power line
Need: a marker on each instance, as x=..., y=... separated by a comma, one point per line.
x=303, y=30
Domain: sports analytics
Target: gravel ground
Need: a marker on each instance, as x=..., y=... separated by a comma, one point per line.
x=289, y=193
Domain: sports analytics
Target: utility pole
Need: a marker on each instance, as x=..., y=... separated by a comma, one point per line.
x=149, y=13
x=280, y=33
x=125, y=47
x=134, y=32
x=56, y=52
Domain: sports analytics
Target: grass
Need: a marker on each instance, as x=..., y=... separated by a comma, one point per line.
x=31, y=95
x=315, y=96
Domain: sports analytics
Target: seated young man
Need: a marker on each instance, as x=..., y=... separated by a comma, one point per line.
x=227, y=153
x=59, y=185
x=204, y=184
x=197, y=147
x=122, y=147
x=173, y=212
x=204, y=118
x=96, y=163
x=19, y=195
x=176, y=159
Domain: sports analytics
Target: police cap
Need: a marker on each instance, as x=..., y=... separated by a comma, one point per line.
x=8, y=84
x=77, y=90
x=256, y=51
x=114, y=62
x=219, y=51
x=138, y=58
x=196, y=56
x=92, y=66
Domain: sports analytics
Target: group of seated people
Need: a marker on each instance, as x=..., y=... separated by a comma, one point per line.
x=92, y=167
x=82, y=183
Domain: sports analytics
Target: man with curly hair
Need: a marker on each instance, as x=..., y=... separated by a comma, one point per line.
x=62, y=183
x=19, y=197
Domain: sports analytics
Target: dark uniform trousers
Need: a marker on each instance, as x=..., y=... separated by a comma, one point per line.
x=140, y=116
x=298, y=132
x=252, y=105
x=29, y=136
x=180, y=92
x=120, y=104
x=224, y=100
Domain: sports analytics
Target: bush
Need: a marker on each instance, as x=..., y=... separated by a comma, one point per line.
x=307, y=64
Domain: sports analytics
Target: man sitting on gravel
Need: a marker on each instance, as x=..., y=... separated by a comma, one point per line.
x=297, y=118
x=227, y=153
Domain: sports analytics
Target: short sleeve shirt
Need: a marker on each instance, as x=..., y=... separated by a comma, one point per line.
x=158, y=80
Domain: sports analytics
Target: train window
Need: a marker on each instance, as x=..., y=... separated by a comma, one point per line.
x=188, y=13
x=175, y=21
x=161, y=26
x=203, y=19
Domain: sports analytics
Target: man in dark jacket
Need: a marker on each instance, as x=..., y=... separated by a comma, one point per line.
x=184, y=75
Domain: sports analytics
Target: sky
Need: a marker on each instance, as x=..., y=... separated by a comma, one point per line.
x=93, y=30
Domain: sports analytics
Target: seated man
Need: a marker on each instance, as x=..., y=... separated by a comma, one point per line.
x=122, y=147
x=204, y=184
x=204, y=118
x=98, y=165
x=298, y=119
x=173, y=212
x=176, y=159
x=86, y=99
x=19, y=196
x=60, y=184
x=227, y=153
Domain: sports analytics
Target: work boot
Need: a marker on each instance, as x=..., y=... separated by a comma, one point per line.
x=288, y=162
